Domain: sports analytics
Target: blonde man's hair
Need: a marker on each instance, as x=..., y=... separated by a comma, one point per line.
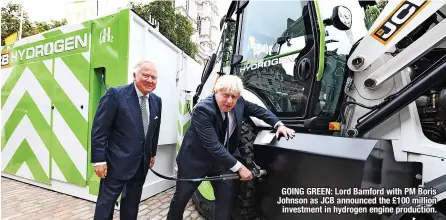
x=230, y=83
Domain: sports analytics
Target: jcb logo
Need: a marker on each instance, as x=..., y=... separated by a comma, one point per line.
x=5, y=59
x=105, y=36
x=397, y=19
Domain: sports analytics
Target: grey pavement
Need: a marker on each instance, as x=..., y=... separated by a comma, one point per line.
x=23, y=201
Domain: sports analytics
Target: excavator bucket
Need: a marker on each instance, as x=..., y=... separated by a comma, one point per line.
x=307, y=174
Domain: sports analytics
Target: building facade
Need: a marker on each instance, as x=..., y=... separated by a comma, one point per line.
x=205, y=20
x=203, y=15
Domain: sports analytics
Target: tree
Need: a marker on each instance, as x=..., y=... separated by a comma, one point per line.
x=174, y=26
x=228, y=42
x=372, y=13
x=184, y=31
x=40, y=27
x=11, y=22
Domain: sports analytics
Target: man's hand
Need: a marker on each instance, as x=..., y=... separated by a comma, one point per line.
x=286, y=132
x=101, y=170
x=152, y=162
x=244, y=173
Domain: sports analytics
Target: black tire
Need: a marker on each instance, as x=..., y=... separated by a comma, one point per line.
x=204, y=206
x=244, y=200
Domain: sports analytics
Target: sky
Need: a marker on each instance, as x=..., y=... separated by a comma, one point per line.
x=37, y=9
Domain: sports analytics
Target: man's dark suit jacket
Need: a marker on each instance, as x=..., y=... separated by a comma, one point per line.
x=202, y=148
x=118, y=134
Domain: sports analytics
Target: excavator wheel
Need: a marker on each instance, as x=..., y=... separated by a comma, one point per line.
x=204, y=206
x=245, y=192
x=244, y=199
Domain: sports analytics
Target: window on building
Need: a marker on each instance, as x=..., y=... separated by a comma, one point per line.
x=210, y=31
x=199, y=25
x=187, y=6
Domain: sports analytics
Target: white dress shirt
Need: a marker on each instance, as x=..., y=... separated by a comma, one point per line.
x=139, y=94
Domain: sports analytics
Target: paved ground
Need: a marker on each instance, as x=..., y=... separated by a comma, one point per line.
x=27, y=202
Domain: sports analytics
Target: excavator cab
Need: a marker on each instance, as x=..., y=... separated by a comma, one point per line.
x=291, y=57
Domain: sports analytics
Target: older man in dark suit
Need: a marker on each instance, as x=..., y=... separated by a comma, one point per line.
x=124, y=142
x=210, y=144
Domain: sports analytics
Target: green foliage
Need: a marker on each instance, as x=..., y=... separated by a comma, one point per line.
x=174, y=26
x=44, y=26
x=228, y=42
x=11, y=22
x=372, y=13
x=381, y=4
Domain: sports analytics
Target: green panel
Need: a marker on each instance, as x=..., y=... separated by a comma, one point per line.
x=185, y=127
x=65, y=163
x=61, y=45
x=80, y=67
x=123, y=46
x=94, y=187
x=70, y=112
x=320, y=72
x=53, y=33
x=59, y=154
x=185, y=108
x=179, y=127
x=24, y=154
x=97, y=90
x=43, y=76
x=111, y=55
x=93, y=183
x=110, y=42
x=87, y=24
x=206, y=190
x=27, y=106
x=61, y=101
x=110, y=50
x=10, y=83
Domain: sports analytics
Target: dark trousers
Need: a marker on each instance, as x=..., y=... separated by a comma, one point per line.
x=110, y=189
x=223, y=192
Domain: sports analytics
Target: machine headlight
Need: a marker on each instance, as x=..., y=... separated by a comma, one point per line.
x=345, y=16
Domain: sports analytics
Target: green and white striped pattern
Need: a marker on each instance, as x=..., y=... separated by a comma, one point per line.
x=184, y=120
x=183, y=117
x=40, y=142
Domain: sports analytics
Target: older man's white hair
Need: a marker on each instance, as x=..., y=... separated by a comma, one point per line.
x=137, y=67
x=229, y=83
